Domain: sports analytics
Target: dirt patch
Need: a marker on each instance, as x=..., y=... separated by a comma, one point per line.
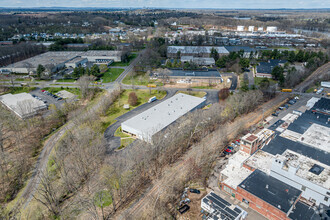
x=195, y=206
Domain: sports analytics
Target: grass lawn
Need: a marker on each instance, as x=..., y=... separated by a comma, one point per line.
x=117, y=109
x=16, y=90
x=199, y=94
x=140, y=80
x=66, y=80
x=203, y=87
x=311, y=89
x=119, y=133
x=23, y=79
x=257, y=80
x=130, y=59
x=125, y=139
x=54, y=90
x=111, y=75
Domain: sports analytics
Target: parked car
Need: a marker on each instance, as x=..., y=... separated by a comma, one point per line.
x=184, y=208
x=194, y=191
x=275, y=114
x=34, y=96
x=43, y=90
x=226, y=153
x=58, y=99
x=281, y=107
x=45, y=101
x=228, y=150
x=296, y=98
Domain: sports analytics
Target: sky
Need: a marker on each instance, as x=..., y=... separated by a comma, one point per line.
x=248, y=4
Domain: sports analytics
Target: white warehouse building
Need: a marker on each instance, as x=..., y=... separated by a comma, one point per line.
x=24, y=105
x=158, y=117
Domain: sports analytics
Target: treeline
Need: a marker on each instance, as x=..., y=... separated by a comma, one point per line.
x=292, y=56
x=80, y=71
x=60, y=44
x=18, y=52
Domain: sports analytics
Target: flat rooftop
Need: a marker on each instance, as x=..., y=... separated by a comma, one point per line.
x=76, y=59
x=46, y=58
x=317, y=136
x=305, y=165
x=260, y=160
x=234, y=172
x=22, y=104
x=195, y=49
x=156, y=118
x=271, y=190
x=102, y=53
x=183, y=73
x=302, y=211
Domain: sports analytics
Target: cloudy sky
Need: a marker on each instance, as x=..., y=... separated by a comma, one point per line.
x=170, y=3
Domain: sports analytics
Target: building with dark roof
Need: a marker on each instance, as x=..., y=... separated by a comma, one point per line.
x=267, y=195
x=264, y=69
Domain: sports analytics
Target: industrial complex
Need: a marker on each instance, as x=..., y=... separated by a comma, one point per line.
x=285, y=169
x=54, y=61
x=158, y=117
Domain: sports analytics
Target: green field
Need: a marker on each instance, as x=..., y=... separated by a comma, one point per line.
x=130, y=59
x=117, y=109
x=125, y=139
x=16, y=90
x=111, y=75
x=199, y=94
x=140, y=80
x=203, y=87
x=54, y=90
x=257, y=80
x=66, y=80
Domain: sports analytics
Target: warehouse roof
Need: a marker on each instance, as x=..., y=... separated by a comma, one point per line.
x=101, y=53
x=190, y=73
x=46, y=58
x=22, y=104
x=271, y=190
x=195, y=49
x=160, y=116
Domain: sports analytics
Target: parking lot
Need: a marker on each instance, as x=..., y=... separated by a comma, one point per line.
x=49, y=99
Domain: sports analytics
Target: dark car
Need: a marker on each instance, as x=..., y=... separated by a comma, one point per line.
x=230, y=148
x=58, y=99
x=34, y=96
x=195, y=191
x=275, y=114
x=184, y=208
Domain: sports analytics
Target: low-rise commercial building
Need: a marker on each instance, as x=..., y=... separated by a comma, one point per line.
x=264, y=69
x=195, y=51
x=24, y=105
x=158, y=117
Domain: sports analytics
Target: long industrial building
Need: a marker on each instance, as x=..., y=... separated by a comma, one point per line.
x=158, y=117
x=59, y=59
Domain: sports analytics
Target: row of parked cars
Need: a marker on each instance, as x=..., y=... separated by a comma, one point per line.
x=37, y=97
x=52, y=95
x=286, y=106
x=230, y=149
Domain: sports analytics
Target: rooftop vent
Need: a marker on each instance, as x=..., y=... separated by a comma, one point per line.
x=267, y=186
x=243, y=186
x=316, y=169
